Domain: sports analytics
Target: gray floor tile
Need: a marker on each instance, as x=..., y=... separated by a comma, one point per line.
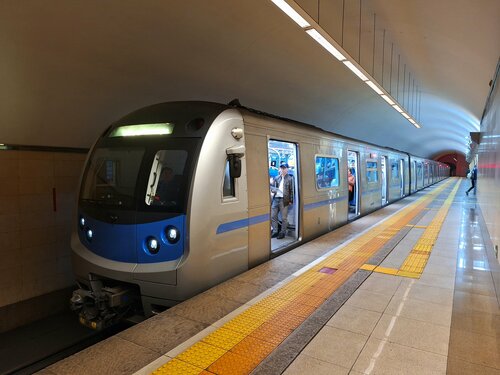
x=385, y=358
x=305, y=364
x=205, y=308
x=336, y=346
x=162, y=332
x=112, y=356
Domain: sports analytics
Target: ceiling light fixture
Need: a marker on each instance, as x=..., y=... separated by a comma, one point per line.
x=397, y=108
x=313, y=33
x=292, y=13
x=387, y=99
x=374, y=87
x=355, y=70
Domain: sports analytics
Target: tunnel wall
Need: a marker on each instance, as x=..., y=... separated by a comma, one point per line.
x=457, y=160
x=488, y=189
x=37, y=202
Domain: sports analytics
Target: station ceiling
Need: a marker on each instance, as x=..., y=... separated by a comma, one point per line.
x=70, y=67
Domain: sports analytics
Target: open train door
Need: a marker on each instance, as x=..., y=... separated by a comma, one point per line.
x=383, y=164
x=280, y=154
x=353, y=198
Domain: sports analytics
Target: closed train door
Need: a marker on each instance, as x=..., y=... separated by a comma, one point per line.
x=414, y=175
x=353, y=184
x=402, y=177
x=383, y=165
x=284, y=193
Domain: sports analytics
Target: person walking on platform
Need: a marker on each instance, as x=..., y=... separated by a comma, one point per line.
x=473, y=178
x=282, y=189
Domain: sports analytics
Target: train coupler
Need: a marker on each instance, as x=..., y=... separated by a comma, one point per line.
x=102, y=306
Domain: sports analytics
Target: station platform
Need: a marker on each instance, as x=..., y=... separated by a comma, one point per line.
x=412, y=288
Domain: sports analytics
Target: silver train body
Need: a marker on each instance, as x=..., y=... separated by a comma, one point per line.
x=130, y=251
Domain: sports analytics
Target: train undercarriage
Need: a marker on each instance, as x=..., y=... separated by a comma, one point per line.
x=102, y=303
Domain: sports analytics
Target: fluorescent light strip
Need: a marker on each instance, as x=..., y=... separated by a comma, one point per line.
x=414, y=123
x=396, y=107
x=387, y=99
x=355, y=70
x=292, y=13
x=313, y=33
x=405, y=115
x=374, y=87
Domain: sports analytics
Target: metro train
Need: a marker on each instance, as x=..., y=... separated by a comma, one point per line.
x=175, y=198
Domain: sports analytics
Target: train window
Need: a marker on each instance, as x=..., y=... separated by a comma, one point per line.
x=111, y=176
x=166, y=179
x=394, y=171
x=228, y=190
x=371, y=171
x=327, y=172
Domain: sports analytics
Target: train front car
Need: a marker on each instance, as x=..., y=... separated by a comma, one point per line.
x=131, y=232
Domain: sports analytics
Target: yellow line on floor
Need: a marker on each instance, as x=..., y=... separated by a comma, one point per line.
x=414, y=264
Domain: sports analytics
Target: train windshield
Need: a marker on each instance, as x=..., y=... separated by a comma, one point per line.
x=148, y=175
x=111, y=176
x=166, y=181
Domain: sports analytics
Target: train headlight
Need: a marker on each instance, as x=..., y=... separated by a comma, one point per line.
x=89, y=234
x=153, y=245
x=172, y=233
x=81, y=222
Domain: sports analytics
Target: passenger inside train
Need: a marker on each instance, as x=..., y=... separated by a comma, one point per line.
x=282, y=190
x=351, y=180
x=168, y=188
x=283, y=153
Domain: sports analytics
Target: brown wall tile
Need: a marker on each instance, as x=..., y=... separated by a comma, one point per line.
x=34, y=240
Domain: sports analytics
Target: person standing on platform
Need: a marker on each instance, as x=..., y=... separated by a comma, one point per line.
x=282, y=189
x=473, y=178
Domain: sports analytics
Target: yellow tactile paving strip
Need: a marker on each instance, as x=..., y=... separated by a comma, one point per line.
x=415, y=263
x=244, y=341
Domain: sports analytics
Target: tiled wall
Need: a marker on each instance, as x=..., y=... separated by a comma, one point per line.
x=488, y=186
x=35, y=239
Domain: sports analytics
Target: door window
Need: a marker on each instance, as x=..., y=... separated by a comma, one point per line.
x=371, y=171
x=228, y=190
x=327, y=172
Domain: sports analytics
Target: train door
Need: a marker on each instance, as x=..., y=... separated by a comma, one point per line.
x=383, y=165
x=414, y=175
x=283, y=161
x=353, y=195
x=402, y=177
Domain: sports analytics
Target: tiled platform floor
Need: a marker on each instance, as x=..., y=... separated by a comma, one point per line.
x=389, y=325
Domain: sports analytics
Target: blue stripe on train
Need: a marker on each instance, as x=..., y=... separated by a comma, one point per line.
x=243, y=223
x=326, y=202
